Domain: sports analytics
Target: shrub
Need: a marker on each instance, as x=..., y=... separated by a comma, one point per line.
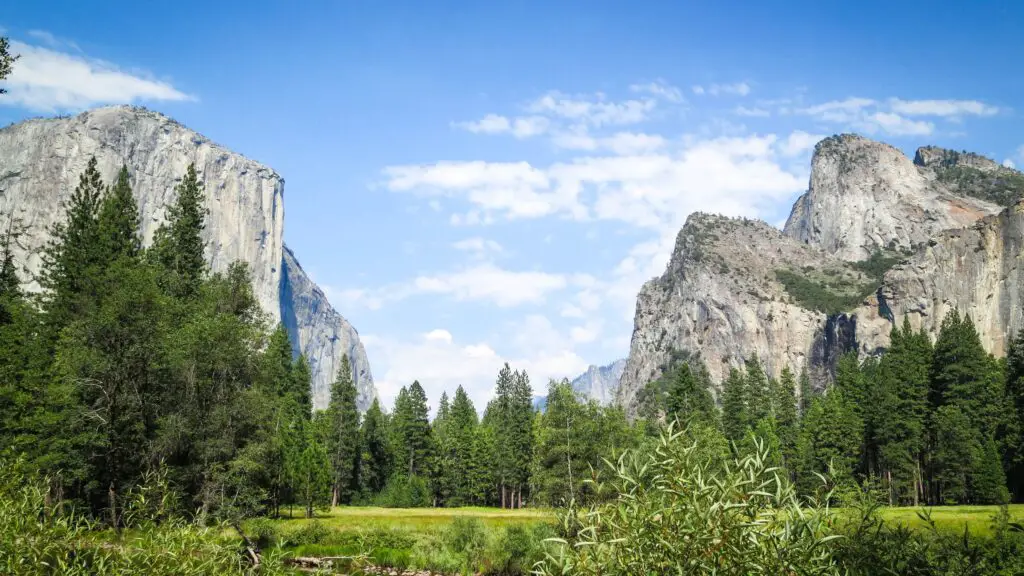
x=311, y=533
x=403, y=491
x=676, y=514
x=264, y=533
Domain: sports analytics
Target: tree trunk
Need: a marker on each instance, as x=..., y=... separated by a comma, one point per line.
x=112, y=498
x=334, y=495
x=503, y=495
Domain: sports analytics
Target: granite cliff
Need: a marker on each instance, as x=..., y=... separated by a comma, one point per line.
x=41, y=159
x=877, y=236
x=600, y=382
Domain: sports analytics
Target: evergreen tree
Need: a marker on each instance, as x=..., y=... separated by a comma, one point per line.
x=806, y=392
x=343, y=435
x=178, y=244
x=311, y=466
x=375, y=466
x=1013, y=434
x=119, y=220
x=964, y=374
x=830, y=440
x=988, y=482
x=411, y=427
x=301, y=385
x=277, y=361
x=520, y=436
x=735, y=416
x=466, y=468
x=784, y=411
x=72, y=258
x=955, y=447
x=689, y=399
x=758, y=394
x=6, y=60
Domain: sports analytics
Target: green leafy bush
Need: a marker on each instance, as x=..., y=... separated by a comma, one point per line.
x=403, y=491
x=680, y=512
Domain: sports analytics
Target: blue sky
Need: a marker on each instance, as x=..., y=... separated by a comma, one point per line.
x=476, y=182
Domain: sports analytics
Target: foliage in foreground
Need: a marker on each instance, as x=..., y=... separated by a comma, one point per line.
x=682, y=510
x=37, y=538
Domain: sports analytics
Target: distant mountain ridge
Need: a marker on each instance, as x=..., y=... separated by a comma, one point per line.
x=597, y=383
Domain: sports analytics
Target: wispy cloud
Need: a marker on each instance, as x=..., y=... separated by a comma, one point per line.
x=661, y=89
x=942, y=107
x=48, y=79
x=737, y=89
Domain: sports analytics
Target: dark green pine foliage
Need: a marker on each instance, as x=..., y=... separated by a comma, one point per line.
x=466, y=468
x=342, y=423
x=954, y=450
x=301, y=385
x=689, y=399
x=901, y=408
x=375, y=462
x=7, y=60
x=988, y=481
x=311, y=466
x=178, y=244
x=735, y=416
x=411, y=427
x=72, y=258
x=119, y=220
x=806, y=392
x=784, y=410
x=276, y=371
x=758, y=393
x=830, y=441
x=1013, y=434
x=520, y=436
x=964, y=374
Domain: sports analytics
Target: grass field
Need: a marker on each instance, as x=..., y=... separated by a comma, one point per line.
x=978, y=519
x=415, y=519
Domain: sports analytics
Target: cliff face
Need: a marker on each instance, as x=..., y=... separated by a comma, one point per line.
x=41, y=160
x=977, y=270
x=323, y=335
x=600, y=382
x=866, y=195
x=804, y=296
x=721, y=297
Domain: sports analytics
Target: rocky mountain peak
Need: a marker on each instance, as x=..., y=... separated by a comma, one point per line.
x=600, y=382
x=937, y=158
x=866, y=196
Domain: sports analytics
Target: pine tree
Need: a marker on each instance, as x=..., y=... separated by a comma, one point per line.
x=411, y=427
x=988, y=481
x=520, y=434
x=955, y=447
x=300, y=386
x=343, y=435
x=689, y=399
x=758, y=394
x=178, y=244
x=71, y=259
x=465, y=465
x=735, y=416
x=119, y=220
x=806, y=392
x=1013, y=434
x=964, y=374
x=784, y=411
x=7, y=60
x=830, y=440
x=310, y=467
x=277, y=362
x=375, y=466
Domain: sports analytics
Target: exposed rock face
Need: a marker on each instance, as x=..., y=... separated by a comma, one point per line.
x=600, y=382
x=41, y=160
x=977, y=270
x=322, y=335
x=721, y=294
x=720, y=297
x=866, y=195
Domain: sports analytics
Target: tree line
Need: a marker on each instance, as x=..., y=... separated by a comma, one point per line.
x=133, y=360
x=925, y=422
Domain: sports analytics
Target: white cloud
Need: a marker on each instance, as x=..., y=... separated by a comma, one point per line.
x=523, y=127
x=660, y=89
x=48, y=80
x=846, y=110
x=487, y=282
x=441, y=363
x=1009, y=163
x=594, y=110
x=622, y=143
x=897, y=125
x=799, y=142
x=942, y=107
x=480, y=248
x=751, y=112
x=737, y=89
